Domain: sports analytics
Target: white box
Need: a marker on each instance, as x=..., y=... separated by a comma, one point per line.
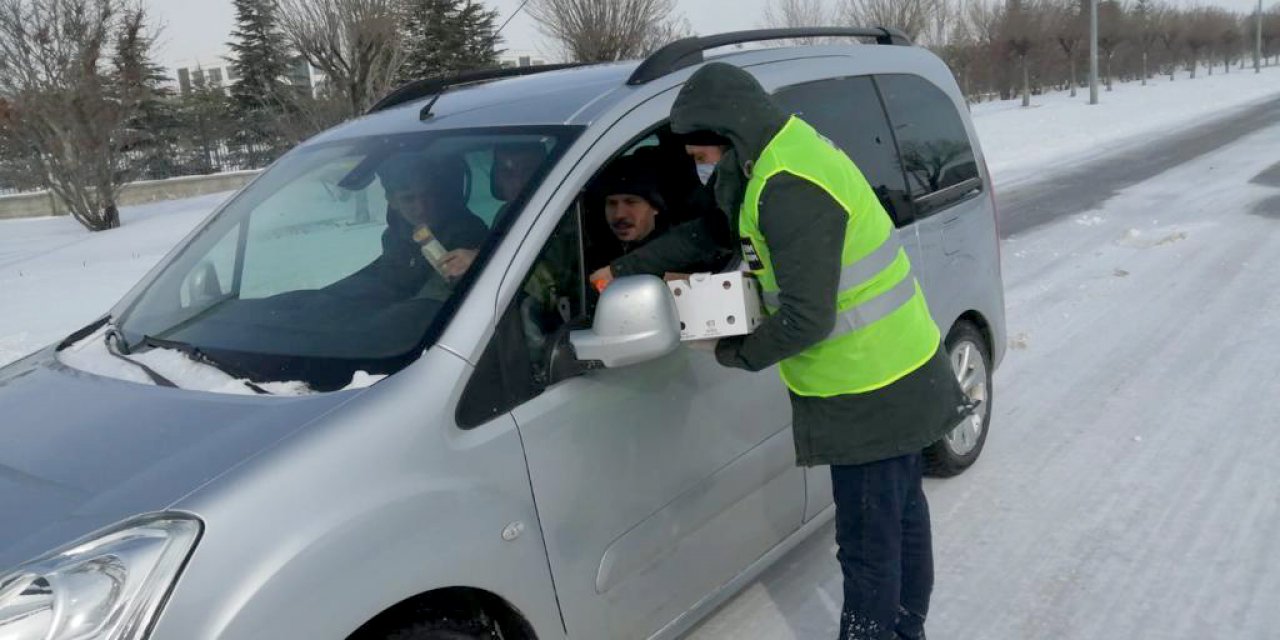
x=717, y=305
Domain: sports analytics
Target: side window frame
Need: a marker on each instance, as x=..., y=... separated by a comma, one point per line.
x=935, y=202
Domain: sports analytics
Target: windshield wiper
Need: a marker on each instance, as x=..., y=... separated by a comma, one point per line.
x=115, y=340
x=194, y=352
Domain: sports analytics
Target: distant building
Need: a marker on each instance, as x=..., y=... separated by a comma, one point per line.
x=520, y=59
x=214, y=72
x=218, y=72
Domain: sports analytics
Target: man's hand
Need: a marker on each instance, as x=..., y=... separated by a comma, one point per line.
x=601, y=278
x=456, y=262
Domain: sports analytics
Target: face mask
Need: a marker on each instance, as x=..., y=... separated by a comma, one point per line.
x=705, y=171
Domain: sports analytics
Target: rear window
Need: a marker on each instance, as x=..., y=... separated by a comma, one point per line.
x=848, y=112
x=936, y=152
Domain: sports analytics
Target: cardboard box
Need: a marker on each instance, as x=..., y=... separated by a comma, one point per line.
x=717, y=305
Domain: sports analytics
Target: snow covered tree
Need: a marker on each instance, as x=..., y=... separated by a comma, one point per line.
x=447, y=36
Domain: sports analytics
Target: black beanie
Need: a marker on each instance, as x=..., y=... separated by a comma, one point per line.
x=634, y=176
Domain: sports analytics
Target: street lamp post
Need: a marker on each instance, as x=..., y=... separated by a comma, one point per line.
x=1093, y=51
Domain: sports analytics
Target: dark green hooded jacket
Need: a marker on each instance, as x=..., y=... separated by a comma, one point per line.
x=804, y=229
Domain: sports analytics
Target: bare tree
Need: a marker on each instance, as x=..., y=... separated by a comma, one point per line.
x=64, y=101
x=1113, y=32
x=1230, y=38
x=910, y=16
x=356, y=43
x=1069, y=30
x=1146, y=14
x=798, y=13
x=1021, y=33
x=1198, y=36
x=961, y=48
x=1271, y=32
x=1169, y=27
x=984, y=20
x=665, y=33
x=791, y=14
x=603, y=30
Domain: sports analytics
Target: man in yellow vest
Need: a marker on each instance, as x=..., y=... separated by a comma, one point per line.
x=870, y=385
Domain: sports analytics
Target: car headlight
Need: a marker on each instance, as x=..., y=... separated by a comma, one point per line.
x=109, y=588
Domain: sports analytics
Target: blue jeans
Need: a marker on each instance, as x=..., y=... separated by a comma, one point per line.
x=886, y=550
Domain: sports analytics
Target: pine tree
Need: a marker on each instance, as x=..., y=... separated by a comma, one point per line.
x=260, y=60
x=207, y=121
x=150, y=132
x=448, y=36
x=259, y=92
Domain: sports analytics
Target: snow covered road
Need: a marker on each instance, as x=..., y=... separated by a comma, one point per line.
x=1129, y=484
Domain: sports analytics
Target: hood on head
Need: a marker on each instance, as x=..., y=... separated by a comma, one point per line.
x=729, y=102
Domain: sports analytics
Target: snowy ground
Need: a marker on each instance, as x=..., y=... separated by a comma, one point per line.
x=1128, y=485
x=1058, y=130
x=55, y=277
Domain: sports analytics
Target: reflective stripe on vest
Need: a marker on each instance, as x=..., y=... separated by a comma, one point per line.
x=883, y=329
x=858, y=272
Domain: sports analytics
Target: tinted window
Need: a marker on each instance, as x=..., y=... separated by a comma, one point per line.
x=848, y=111
x=935, y=147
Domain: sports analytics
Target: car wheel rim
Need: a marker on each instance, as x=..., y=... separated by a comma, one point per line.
x=971, y=371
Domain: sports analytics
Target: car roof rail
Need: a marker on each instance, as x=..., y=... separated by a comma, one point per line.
x=688, y=51
x=437, y=84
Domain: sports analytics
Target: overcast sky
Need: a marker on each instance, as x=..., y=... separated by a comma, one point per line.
x=197, y=30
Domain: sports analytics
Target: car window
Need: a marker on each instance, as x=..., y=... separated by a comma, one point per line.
x=345, y=257
x=849, y=113
x=935, y=147
x=528, y=351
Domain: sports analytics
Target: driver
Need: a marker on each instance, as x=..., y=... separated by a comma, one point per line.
x=422, y=193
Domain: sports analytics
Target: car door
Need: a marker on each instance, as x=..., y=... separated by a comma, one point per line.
x=848, y=111
x=655, y=483
x=953, y=222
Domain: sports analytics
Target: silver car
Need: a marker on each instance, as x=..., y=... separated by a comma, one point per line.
x=303, y=423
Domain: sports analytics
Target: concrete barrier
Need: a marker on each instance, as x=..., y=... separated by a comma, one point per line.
x=43, y=203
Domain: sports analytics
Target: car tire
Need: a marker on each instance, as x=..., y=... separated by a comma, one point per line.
x=970, y=357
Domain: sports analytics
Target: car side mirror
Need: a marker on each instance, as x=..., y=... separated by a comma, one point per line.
x=636, y=321
x=203, y=284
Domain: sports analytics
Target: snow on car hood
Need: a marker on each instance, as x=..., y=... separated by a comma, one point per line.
x=79, y=452
x=91, y=355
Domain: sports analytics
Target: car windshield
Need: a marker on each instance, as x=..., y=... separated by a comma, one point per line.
x=343, y=257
